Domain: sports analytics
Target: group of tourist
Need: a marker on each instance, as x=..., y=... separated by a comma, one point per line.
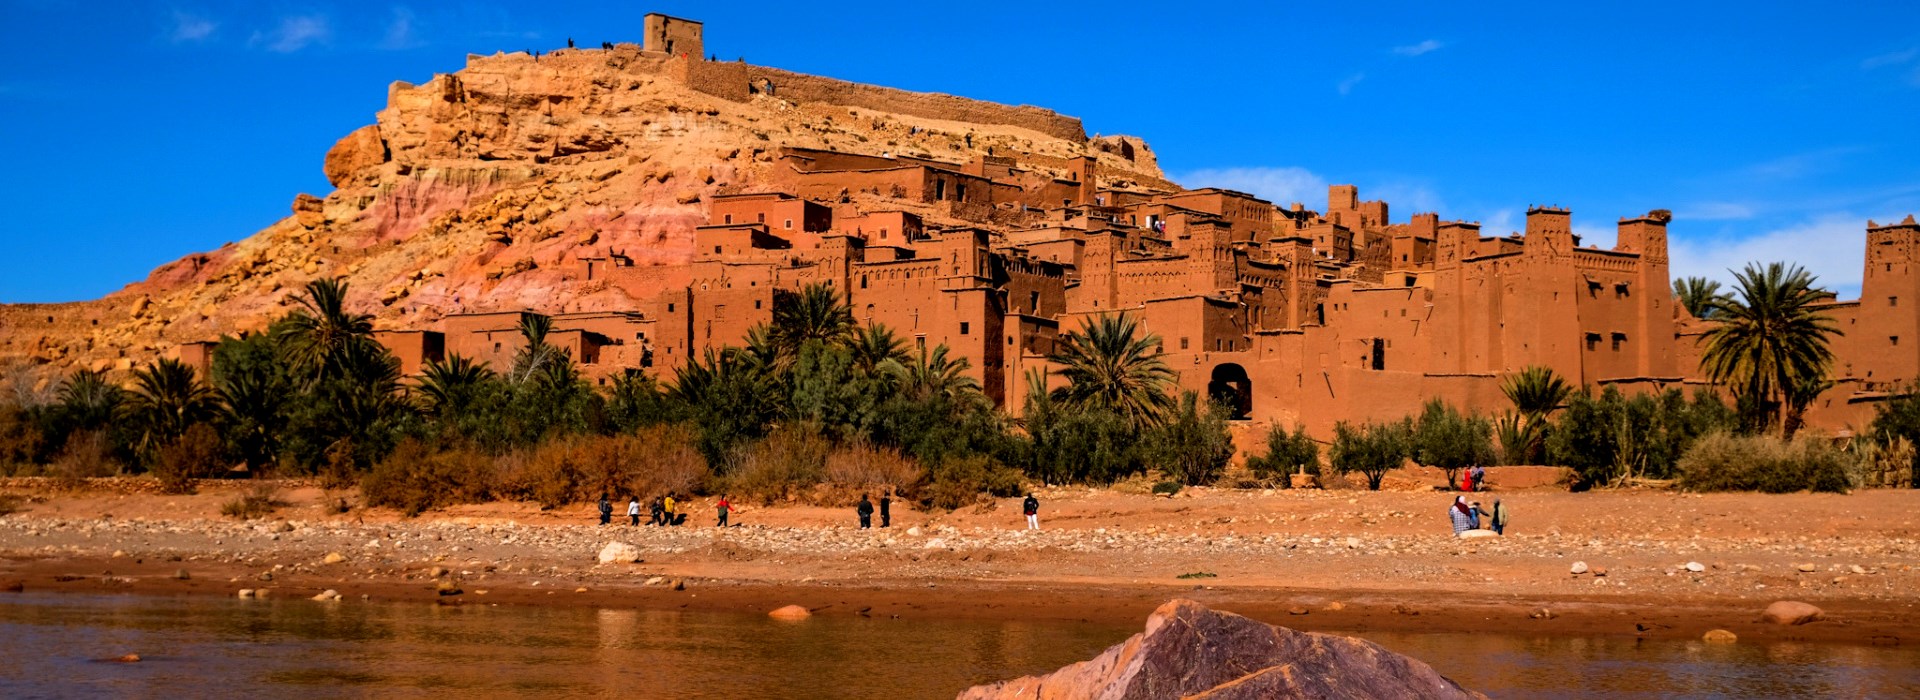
x=864, y=511
x=663, y=511
x=1466, y=515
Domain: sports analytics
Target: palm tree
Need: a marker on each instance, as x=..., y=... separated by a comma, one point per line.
x=1699, y=295
x=89, y=400
x=1111, y=366
x=934, y=376
x=873, y=346
x=1771, y=339
x=1536, y=392
x=451, y=387
x=537, y=357
x=167, y=399
x=322, y=331
x=816, y=312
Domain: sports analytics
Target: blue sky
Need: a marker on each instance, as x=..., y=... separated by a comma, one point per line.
x=138, y=132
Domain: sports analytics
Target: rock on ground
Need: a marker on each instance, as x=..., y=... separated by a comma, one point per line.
x=1191, y=651
x=1791, y=612
x=791, y=612
x=619, y=553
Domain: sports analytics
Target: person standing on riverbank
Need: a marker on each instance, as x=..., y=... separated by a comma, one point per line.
x=865, y=510
x=1461, y=515
x=666, y=507
x=724, y=507
x=1499, y=519
x=886, y=510
x=633, y=512
x=606, y=510
x=1031, y=507
x=654, y=512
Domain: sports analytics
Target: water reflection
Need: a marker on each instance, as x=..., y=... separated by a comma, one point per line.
x=196, y=647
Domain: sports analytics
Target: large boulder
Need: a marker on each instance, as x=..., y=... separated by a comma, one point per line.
x=354, y=153
x=619, y=553
x=1791, y=612
x=1190, y=651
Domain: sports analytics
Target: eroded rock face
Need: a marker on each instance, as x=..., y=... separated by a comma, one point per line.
x=1191, y=651
x=355, y=154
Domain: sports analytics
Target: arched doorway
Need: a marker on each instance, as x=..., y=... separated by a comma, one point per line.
x=1230, y=387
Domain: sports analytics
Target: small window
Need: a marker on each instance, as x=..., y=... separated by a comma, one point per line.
x=1033, y=302
x=716, y=250
x=1593, y=341
x=883, y=234
x=669, y=308
x=756, y=303
x=863, y=281
x=963, y=327
x=1216, y=344
x=729, y=219
x=496, y=346
x=1183, y=343
x=1619, y=340
x=1893, y=301
x=760, y=217
x=789, y=224
x=1896, y=340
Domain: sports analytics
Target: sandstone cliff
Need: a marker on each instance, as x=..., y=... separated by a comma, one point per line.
x=1190, y=651
x=475, y=191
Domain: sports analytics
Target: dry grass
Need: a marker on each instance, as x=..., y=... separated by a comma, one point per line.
x=259, y=502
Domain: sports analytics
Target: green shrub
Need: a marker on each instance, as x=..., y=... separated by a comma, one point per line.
x=1450, y=440
x=962, y=482
x=1166, y=487
x=10, y=504
x=1896, y=427
x=1372, y=449
x=85, y=456
x=1609, y=438
x=1286, y=454
x=1193, y=447
x=1766, y=463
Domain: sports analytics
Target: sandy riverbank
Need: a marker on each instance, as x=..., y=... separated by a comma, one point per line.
x=1326, y=560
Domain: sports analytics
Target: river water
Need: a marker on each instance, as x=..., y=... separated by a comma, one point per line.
x=192, y=647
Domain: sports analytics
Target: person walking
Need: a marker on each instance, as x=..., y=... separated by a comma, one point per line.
x=1499, y=520
x=865, y=510
x=654, y=512
x=606, y=510
x=724, y=507
x=1031, y=507
x=666, y=507
x=886, y=510
x=633, y=511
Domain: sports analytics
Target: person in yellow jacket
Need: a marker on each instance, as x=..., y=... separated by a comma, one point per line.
x=667, y=505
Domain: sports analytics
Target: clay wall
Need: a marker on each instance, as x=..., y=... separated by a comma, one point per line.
x=740, y=81
x=414, y=349
x=785, y=214
x=673, y=36
x=883, y=227
x=1884, y=340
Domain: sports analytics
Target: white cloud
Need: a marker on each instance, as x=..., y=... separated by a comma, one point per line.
x=1422, y=48
x=294, y=34
x=1831, y=246
x=1715, y=211
x=188, y=27
x=1281, y=185
x=1346, y=86
x=400, y=32
x=1890, y=59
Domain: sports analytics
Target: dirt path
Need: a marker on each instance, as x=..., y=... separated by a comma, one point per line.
x=1333, y=560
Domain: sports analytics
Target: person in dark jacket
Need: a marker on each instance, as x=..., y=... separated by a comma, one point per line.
x=1031, y=507
x=606, y=510
x=655, y=512
x=865, y=511
x=886, y=510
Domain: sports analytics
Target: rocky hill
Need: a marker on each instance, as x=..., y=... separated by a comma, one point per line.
x=475, y=190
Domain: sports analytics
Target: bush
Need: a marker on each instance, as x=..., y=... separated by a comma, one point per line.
x=1286, y=455
x=200, y=453
x=85, y=456
x=10, y=504
x=415, y=478
x=1611, y=438
x=1896, y=427
x=784, y=464
x=1372, y=449
x=1450, y=440
x=1166, y=487
x=961, y=482
x=1765, y=463
x=867, y=467
x=1194, y=446
x=259, y=502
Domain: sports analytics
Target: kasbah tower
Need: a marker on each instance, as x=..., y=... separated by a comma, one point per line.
x=1288, y=314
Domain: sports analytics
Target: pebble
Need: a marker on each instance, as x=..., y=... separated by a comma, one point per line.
x=1720, y=637
x=1696, y=567
x=1579, y=567
x=333, y=558
x=328, y=595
